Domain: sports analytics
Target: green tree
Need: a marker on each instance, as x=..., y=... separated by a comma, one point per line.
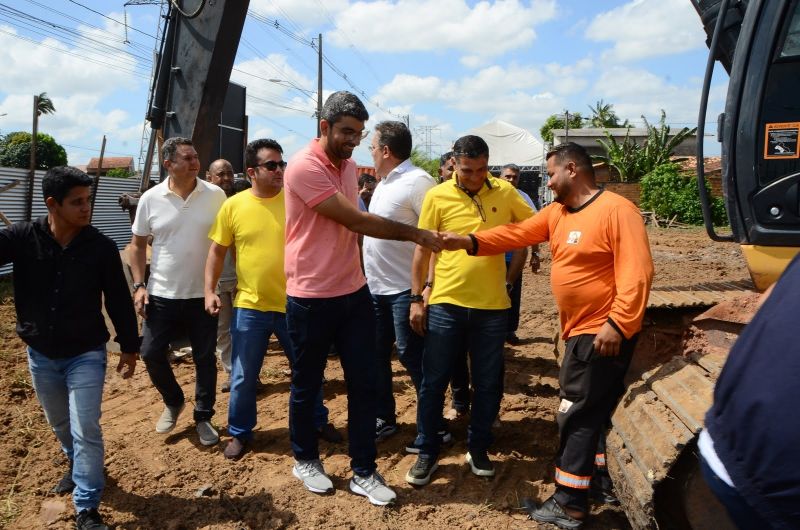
x=15, y=151
x=669, y=193
x=632, y=160
x=604, y=117
x=431, y=165
x=45, y=105
x=556, y=121
x=119, y=172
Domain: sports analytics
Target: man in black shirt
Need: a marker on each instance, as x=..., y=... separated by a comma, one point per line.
x=63, y=268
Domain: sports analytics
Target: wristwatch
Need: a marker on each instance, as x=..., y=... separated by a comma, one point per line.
x=138, y=285
x=428, y=284
x=415, y=298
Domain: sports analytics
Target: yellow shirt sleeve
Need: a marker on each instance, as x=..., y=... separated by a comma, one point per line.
x=429, y=217
x=221, y=231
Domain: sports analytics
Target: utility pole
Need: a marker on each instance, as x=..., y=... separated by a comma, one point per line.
x=426, y=132
x=319, y=83
x=96, y=183
x=566, y=126
x=32, y=171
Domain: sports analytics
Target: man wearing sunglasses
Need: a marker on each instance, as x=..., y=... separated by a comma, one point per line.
x=328, y=301
x=468, y=307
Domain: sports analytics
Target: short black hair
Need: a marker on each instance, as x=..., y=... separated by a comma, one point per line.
x=512, y=167
x=470, y=146
x=572, y=152
x=170, y=147
x=241, y=185
x=343, y=103
x=252, y=149
x=396, y=136
x=59, y=181
x=364, y=178
x=445, y=158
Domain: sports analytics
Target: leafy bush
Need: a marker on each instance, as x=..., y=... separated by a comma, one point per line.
x=118, y=172
x=669, y=192
x=15, y=151
x=421, y=160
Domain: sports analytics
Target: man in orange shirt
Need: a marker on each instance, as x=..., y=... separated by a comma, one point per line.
x=601, y=276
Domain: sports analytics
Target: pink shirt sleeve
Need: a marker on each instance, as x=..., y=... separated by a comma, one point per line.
x=313, y=185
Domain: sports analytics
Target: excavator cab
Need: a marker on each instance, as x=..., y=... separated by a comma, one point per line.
x=758, y=42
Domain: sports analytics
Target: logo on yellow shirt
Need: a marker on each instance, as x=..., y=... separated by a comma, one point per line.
x=573, y=237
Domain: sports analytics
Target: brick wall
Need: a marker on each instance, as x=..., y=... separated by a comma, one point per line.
x=629, y=190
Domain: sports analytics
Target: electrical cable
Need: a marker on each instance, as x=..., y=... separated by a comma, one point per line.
x=188, y=15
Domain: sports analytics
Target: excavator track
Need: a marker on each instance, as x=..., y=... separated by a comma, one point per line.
x=651, y=448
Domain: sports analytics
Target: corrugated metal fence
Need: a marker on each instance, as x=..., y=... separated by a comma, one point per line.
x=108, y=217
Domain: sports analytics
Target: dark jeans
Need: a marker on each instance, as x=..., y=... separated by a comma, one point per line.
x=166, y=318
x=459, y=382
x=453, y=330
x=741, y=513
x=391, y=314
x=348, y=322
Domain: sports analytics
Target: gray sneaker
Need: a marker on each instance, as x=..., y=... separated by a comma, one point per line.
x=207, y=433
x=374, y=488
x=313, y=476
x=168, y=419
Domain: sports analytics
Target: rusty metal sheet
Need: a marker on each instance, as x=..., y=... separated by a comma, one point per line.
x=688, y=391
x=699, y=295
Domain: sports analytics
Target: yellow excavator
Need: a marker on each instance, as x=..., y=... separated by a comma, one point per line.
x=652, y=454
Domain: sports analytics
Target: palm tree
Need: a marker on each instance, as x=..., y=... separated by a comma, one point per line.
x=603, y=116
x=45, y=105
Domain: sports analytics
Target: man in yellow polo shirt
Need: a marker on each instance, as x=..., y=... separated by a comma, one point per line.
x=468, y=307
x=253, y=222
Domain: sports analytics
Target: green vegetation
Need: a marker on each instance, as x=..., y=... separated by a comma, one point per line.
x=632, y=161
x=119, y=172
x=431, y=165
x=556, y=121
x=604, y=117
x=15, y=151
x=671, y=193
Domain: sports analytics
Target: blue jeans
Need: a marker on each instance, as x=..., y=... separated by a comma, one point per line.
x=348, y=322
x=391, y=313
x=250, y=333
x=741, y=513
x=70, y=391
x=166, y=319
x=452, y=330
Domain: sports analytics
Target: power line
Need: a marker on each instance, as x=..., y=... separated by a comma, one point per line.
x=113, y=19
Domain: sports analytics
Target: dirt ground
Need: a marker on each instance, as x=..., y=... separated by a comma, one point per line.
x=172, y=482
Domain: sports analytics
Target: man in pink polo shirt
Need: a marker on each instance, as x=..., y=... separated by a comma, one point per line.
x=328, y=302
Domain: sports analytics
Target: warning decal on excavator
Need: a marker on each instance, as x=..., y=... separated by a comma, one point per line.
x=781, y=140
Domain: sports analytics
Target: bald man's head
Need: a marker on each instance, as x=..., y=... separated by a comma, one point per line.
x=220, y=172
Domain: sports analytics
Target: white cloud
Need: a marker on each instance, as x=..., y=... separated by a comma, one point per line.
x=648, y=28
x=296, y=13
x=419, y=25
x=637, y=92
x=289, y=95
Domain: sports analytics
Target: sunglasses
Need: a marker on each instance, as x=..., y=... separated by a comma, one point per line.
x=271, y=165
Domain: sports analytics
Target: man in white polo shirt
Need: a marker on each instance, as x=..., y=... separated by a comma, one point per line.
x=178, y=214
x=387, y=265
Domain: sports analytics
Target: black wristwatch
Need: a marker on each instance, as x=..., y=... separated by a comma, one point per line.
x=415, y=298
x=138, y=285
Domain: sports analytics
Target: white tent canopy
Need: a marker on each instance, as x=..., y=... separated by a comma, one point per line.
x=509, y=144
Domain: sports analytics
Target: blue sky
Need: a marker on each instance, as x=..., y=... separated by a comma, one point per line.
x=451, y=65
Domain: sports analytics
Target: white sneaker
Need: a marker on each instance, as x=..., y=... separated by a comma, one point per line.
x=207, y=433
x=374, y=488
x=313, y=476
x=168, y=418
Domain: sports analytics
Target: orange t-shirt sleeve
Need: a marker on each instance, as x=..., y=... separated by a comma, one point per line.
x=531, y=231
x=633, y=269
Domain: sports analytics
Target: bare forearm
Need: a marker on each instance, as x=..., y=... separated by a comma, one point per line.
x=419, y=269
x=138, y=260
x=379, y=227
x=516, y=265
x=214, y=264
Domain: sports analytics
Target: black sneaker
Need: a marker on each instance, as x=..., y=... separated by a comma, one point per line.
x=603, y=496
x=420, y=473
x=414, y=446
x=552, y=512
x=384, y=429
x=89, y=519
x=480, y=463
x=65, y=485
